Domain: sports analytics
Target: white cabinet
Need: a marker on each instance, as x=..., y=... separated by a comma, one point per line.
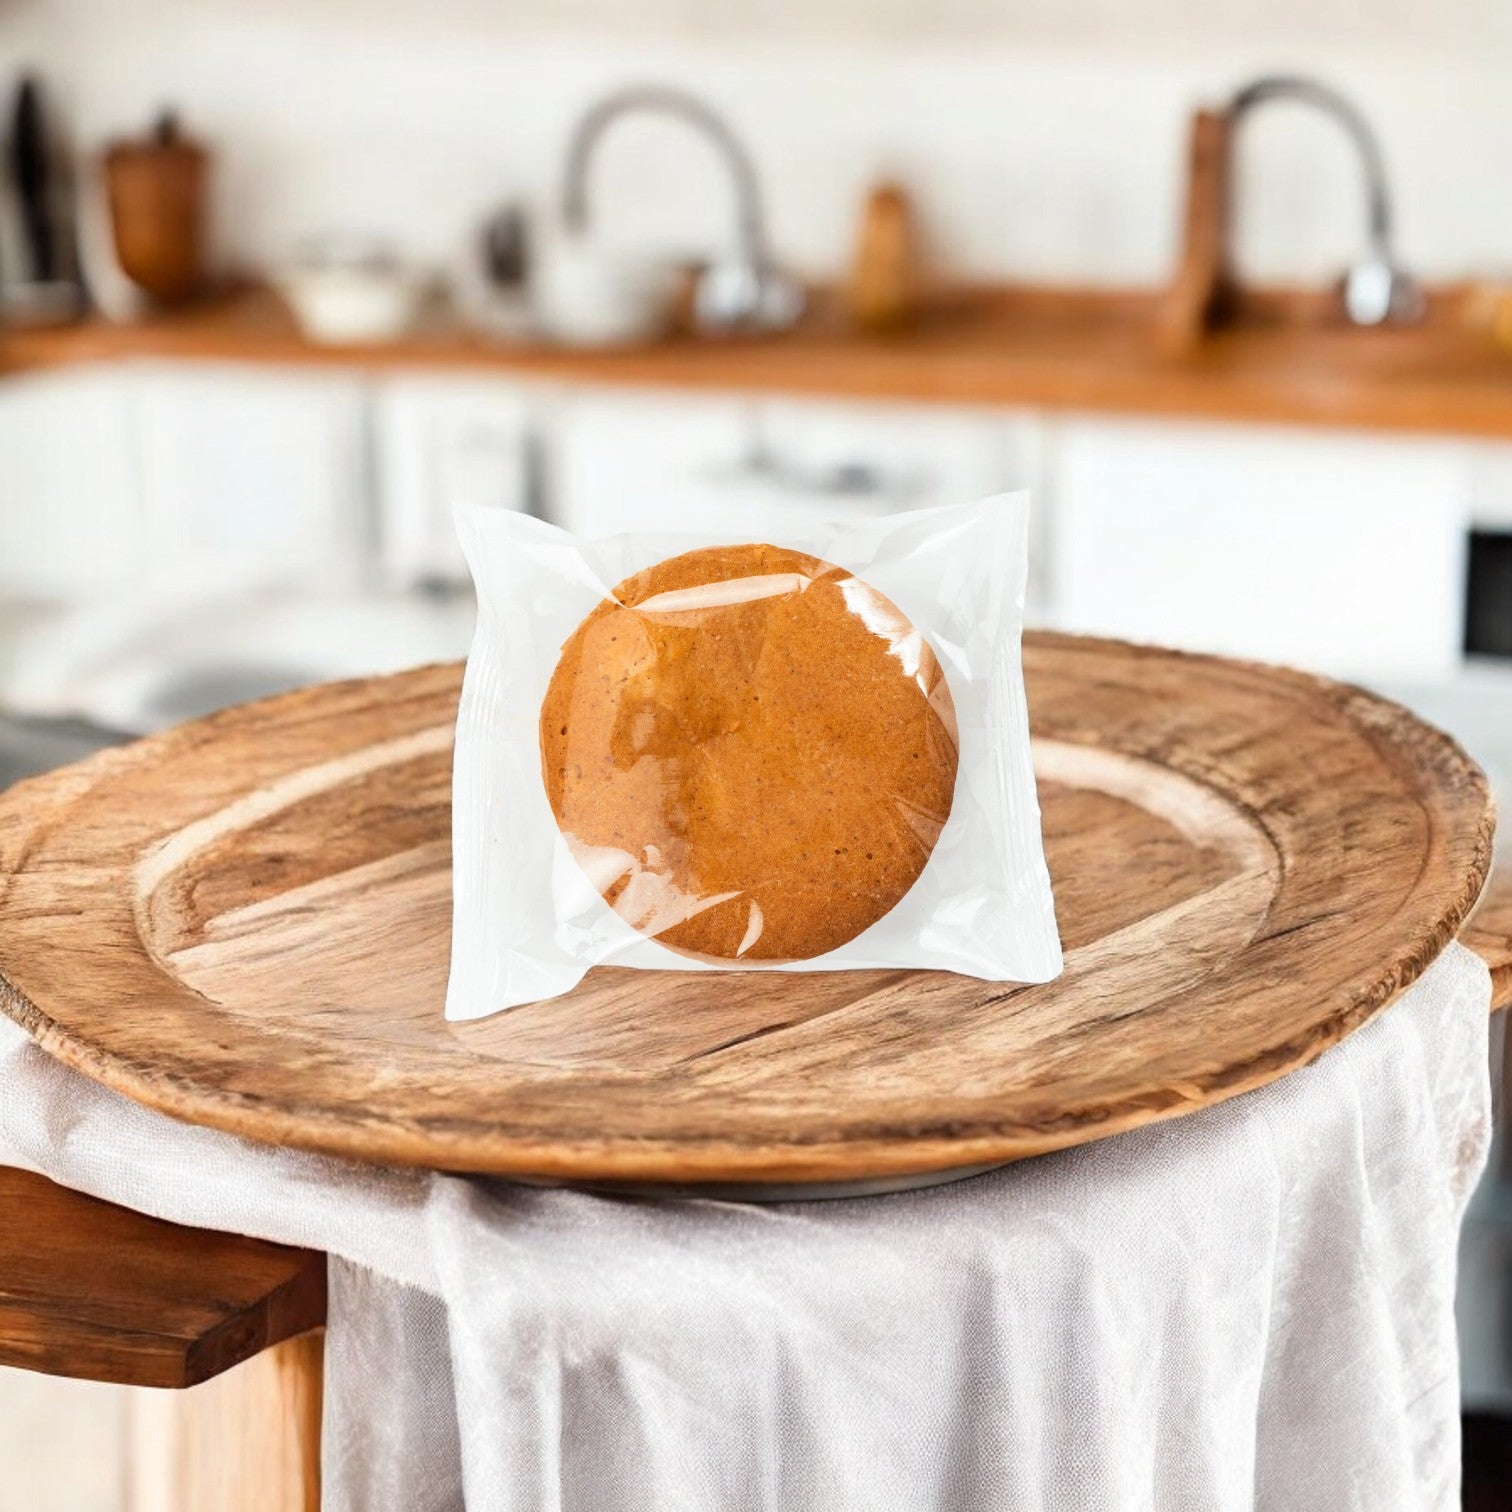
x=735, y=464
x=1491, y=487
x=439, y=441
x=1342, y=554
x=174, y=480
x=899, y=456
x=249, y=474
x=627, y=461
x=70, y=502
x=154, y=481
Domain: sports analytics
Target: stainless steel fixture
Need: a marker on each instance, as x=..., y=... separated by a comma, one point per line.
x=746, y=292
x=1376, y=290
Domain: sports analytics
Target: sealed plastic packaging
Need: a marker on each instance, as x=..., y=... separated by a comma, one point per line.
x=712, y=753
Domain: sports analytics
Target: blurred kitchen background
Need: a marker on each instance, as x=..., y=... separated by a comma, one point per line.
x=1229, y=287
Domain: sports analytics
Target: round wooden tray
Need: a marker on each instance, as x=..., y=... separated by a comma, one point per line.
x=244, y=922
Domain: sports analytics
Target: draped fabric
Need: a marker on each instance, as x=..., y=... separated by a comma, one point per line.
x=1247, y=1308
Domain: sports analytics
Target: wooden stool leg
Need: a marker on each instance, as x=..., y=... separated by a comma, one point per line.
x=246, y=1441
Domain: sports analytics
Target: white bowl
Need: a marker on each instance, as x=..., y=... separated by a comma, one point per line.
x=352, y=305
x=588, y=297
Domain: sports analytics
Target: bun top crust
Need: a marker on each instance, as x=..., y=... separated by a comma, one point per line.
x=750, y=752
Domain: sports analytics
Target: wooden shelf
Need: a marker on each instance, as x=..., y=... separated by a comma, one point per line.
x=95, y=1290
x=1049, y=349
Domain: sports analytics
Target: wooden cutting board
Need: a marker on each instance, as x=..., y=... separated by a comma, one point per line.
x=244, y=922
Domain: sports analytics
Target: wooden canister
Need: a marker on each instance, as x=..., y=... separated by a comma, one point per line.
x=884, y=282
x=157, y=188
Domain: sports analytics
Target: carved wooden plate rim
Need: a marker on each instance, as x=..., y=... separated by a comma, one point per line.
x=72, y=851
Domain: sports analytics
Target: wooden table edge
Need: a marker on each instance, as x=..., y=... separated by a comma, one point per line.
x=1488, y=932
x=173, y=1306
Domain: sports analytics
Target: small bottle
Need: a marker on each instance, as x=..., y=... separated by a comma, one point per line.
x=884, y=286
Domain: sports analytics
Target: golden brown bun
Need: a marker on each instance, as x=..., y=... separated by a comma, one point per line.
x=749, y=777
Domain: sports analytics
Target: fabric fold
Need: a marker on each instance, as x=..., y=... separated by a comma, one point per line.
x=1250, y=1307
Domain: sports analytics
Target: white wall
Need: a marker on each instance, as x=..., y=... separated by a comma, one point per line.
x=1043, y=141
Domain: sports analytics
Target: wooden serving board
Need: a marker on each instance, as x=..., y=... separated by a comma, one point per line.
x=244, y=922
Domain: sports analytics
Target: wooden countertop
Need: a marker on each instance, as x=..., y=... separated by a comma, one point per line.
x=1049, y=349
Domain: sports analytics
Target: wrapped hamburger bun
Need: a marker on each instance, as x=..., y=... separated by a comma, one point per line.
x=750, y=752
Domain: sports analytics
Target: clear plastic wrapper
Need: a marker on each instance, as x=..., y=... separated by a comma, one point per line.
x=701, y=753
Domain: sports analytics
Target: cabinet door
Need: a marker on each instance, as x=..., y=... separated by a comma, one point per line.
x=731, y=464
x=835, y=459
x=1342, y=555
x=70, y=506
x=631, y=461
x=902, y=456
x=440, y=442
x=252, y=475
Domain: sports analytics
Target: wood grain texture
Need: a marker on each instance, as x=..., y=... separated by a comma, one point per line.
x=248, y=1441
x=244, y=922
x=1192, y=303
x=1489, y=932
x=1287, y=360
x=94, y=1290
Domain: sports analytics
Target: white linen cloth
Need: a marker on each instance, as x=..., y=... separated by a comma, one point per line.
x=1247, y=1308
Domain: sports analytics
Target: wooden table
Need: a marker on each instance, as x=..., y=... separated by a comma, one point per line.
x=238, y=1321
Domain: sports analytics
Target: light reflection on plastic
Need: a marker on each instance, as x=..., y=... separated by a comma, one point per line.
x=721, y=594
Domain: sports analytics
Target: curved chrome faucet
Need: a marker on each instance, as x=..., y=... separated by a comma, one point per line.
x=1376, y=289
x=745, y=293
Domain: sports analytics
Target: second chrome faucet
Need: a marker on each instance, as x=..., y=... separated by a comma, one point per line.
x=744, y=291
